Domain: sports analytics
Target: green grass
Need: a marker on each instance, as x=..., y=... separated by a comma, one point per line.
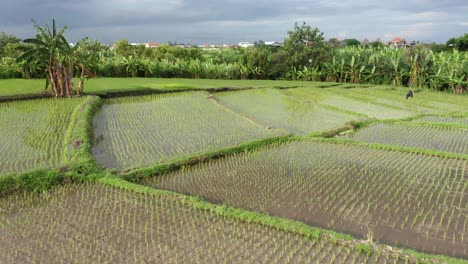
x=102, y=86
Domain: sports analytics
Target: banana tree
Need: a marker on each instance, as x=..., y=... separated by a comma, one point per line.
x=51, y=46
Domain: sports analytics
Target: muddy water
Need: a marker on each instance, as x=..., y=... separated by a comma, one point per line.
x=134, y=132
x=402, y=199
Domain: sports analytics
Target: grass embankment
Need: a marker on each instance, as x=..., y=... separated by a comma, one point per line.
x=106, y=87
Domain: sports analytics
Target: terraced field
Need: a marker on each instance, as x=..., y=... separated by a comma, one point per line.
x=33, y=133
x=216, y=177
x=447, y=139
x=103, y=224
x=362, y=104
x=443, y=120
x=426, y=102
x=406, y=199
x=273, y=108
x=133, y=132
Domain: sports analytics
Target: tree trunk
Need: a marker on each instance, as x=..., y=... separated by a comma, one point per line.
x=70, y=78
x=81, y=83
x=52, y=81
x=59, y=74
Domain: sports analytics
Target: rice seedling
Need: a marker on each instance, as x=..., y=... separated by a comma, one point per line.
x=104, y=224
x=347, y=188
x=462, y=122
x=34, y=133
x=133, y=132
x=273, y=108
x=446, y=139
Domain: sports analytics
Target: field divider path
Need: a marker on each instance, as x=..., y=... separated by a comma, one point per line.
x=278, y=131
x=366, y=247
x=156, y=91
x=69, y=131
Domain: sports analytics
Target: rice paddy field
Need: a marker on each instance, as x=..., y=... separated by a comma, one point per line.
x=424, y=101
x=104, y=224
x=460, y=121
x=213, y=171
x=33, y=133
x=273, y=108
x=132, y=132
x=401, y=198
x=449, y=139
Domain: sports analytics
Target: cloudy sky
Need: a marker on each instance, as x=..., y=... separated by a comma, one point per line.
x=229, y=21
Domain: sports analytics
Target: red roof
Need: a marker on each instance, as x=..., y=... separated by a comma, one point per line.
x=397, y=39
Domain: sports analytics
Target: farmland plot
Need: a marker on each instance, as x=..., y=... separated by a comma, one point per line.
x=435, y=138
x=422, y=102
x=102, y=224
x=33, y=133
x=362, y=102
x=367, y=108
x=271, y=107
x=407, y=199
x=349, y=100
x=443, y=119
x=137, y=131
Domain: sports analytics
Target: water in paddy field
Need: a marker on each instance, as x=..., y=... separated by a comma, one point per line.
x=152, y=129
x=400, y=197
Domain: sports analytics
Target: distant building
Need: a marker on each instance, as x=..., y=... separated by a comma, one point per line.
x=397, y=43
x=365, y=42
x=411, y=44
x=245, y=44
x=273, y=44
x=152, y=45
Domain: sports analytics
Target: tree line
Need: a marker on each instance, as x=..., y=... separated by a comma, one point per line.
x=304, y=55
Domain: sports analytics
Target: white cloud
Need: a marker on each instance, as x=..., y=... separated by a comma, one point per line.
x=417, y=31
x=427, y=16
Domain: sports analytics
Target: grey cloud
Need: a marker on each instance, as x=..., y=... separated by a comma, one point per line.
x=232, y=21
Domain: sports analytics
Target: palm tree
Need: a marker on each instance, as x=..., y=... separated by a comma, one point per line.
x=51, y=46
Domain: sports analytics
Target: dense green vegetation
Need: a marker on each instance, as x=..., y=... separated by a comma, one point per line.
x=305, y=56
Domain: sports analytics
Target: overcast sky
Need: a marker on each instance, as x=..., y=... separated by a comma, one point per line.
x=218, y=21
